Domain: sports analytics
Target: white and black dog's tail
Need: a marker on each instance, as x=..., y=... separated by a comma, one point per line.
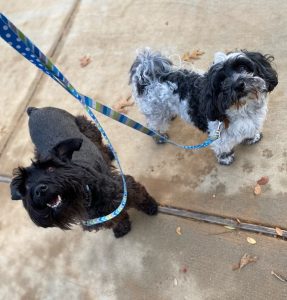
x=147, y=68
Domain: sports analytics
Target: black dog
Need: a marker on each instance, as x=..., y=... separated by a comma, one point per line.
x=72, y=178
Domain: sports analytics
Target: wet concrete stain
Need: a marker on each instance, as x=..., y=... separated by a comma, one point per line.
x=283, y=168
x=267, y=153
x=220, y=189
x=247, y=167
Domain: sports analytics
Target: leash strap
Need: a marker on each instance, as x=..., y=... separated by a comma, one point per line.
x=21, y=43
x=15, y=38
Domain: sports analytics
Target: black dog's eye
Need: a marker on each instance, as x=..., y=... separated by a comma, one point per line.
x=50, y=169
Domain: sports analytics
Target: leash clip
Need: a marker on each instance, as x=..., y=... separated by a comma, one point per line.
x=217, y=132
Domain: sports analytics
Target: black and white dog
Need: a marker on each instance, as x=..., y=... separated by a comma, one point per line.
x=233, y=91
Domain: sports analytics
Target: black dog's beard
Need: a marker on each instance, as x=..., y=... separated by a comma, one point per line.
x=72, y=209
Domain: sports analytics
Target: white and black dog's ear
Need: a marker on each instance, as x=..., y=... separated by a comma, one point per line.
x=214, y=102
x=17, y=185
x=65, y=149
x=219, y=57
x=263, y=68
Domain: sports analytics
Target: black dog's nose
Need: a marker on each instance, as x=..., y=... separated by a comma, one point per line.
x=240, y=86
x=40, y=190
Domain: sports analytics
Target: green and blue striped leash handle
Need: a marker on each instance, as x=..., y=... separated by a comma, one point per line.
x=43, y=63
x=13, y=36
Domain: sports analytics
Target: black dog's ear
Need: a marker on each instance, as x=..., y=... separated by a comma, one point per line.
x=65, y=149
x=263, y=68
x=17, y=185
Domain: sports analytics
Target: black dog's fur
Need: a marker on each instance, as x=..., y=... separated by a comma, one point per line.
x=73, y=163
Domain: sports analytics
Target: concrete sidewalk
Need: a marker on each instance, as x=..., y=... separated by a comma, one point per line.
x=149, y=262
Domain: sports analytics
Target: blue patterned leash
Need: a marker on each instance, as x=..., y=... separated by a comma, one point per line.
x=24, y=46
x=28, y=49
x=15, y=38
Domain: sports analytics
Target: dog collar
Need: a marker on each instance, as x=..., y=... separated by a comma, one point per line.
x=88, y=196
x=216, y=133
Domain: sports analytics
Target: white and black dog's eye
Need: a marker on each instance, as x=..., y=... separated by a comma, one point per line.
x=244, y=67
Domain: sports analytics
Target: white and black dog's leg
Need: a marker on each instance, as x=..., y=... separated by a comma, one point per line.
x=224, y=153
x=256, y=139
x=160, y=125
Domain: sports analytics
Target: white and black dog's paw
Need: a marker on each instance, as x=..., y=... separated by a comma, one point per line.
x=257, y=138
x=226, y=159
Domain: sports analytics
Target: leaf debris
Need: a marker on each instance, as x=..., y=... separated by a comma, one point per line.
x=245, y=260
x=281, y=278
x=257, y=190
x=178, y=230
x=279, y=231
x=120, y=106
x=263, y=180
x=193, y=55
x=229, y=227
x=85, y=60
x=251, y=240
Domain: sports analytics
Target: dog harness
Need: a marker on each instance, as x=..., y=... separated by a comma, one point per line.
x=21, y=43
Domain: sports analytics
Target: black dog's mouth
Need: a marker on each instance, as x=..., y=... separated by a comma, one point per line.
x=55, y=202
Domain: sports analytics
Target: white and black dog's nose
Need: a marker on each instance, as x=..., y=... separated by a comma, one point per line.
x=239, y=86
x=40, y=190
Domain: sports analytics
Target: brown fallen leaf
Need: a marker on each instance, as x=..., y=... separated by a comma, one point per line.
x=281, y=278
x=178, y=230
x=245, y=260
x=251, y=240
x=263, y=180
x=85, y=60
x=195, y=54
x=257, y=190
x=3, y=130
x=279, y=231
x=121, y=105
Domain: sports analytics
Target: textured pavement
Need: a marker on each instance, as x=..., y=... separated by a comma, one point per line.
x=145, y=264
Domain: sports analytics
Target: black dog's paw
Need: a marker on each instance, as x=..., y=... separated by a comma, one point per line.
x=160, y=140
x=122, y=228
x=257, y=138
x=149, y=207
x=226, y=159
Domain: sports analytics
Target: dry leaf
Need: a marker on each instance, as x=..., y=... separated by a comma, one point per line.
x=85, y=60
x=229, y=227
x=3, y=130
x=263, y=180
x=178, y=230
x=257, y=189
x=238, y=221
x=121, y=105
x=281, y=278
x=279, y=231
x=195, y=54
x=245, y=260
x=251, y=240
